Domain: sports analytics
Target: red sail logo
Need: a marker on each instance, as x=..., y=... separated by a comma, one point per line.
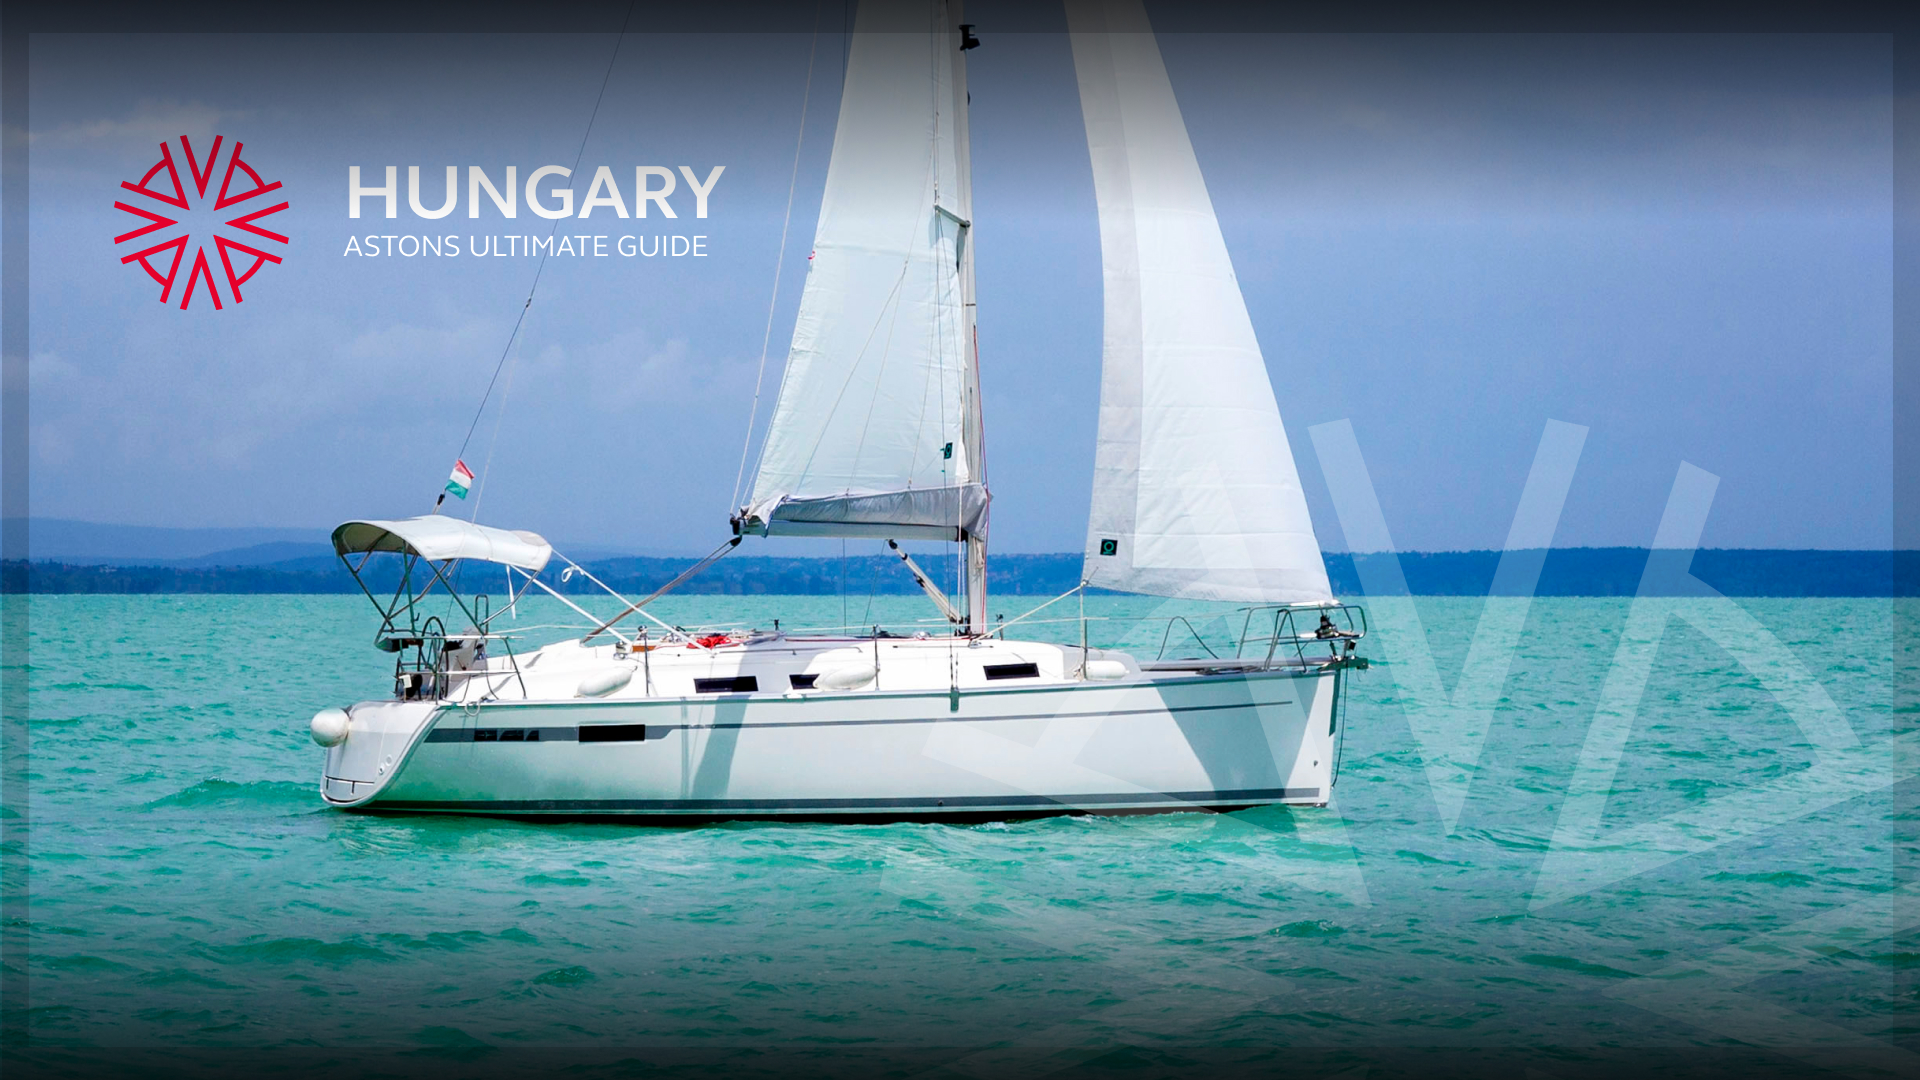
x=166, y=203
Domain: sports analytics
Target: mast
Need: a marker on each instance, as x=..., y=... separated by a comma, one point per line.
x=972, y=421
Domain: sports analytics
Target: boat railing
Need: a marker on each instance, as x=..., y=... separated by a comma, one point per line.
x=1341, y=626
x=1269, y=635
x=1186, y=624
x=432, y=664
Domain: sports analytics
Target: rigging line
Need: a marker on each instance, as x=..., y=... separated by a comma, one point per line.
x=519, y=321
x=780, y=261
x=731, y=543
x=542, y=266
x=499, y=418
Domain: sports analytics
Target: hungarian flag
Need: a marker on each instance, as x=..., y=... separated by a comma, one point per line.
x=461, y=480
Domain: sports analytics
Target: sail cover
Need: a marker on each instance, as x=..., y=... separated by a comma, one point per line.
x=1195, y=493
x=873, y=431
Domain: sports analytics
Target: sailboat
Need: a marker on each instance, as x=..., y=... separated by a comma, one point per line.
x=877, y=432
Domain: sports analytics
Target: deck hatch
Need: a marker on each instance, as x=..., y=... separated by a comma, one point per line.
x=613, y=732
x=733, y=684
x=802, y=682
x=1012, y=671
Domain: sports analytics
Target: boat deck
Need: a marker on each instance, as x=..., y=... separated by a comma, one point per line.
x=779, y=665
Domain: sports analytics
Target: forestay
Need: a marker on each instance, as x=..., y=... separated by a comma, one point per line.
x=874, y=432
x=1195, y=493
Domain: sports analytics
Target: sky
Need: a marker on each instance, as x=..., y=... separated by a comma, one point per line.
x=1682, y=243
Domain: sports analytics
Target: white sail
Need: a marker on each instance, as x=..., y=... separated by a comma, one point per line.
x=1195, y=493
x=876, y=431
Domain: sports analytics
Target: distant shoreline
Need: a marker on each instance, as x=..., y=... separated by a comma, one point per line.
x=1563, y=572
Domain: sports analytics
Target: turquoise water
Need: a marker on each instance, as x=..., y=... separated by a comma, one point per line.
x=188, y=889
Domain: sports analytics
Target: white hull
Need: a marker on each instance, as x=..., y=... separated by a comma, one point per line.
x=1147, y=741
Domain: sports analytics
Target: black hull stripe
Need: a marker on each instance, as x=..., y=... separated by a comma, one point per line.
x=955, y=803
x=571, y=734
x=547, y=734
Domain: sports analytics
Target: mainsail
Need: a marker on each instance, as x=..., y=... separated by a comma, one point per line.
x=1195, y=493
x=877, y=430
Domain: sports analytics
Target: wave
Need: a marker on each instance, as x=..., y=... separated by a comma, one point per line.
x=300, y=950
x=218, y=792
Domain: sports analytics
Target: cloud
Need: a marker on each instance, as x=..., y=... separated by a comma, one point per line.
x=631, y=371
x=151, y=122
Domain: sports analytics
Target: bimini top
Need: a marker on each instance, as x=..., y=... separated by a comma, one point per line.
x=435, y=537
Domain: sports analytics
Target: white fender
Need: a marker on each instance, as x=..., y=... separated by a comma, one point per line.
x=330, y=727
x=605, y=682
x=851, y=677
x=1106, y=669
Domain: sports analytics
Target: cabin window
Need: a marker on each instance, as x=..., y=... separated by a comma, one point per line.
x=613, y=732
x=737, y=684
x=1012, y=671
x=506, y=734
x=802, y=682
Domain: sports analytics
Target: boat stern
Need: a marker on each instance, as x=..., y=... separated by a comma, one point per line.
x=377, y=736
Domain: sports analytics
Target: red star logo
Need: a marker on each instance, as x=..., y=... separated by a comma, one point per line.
x=169, y=192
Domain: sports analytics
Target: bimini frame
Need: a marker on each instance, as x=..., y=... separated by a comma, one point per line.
x=429, y=661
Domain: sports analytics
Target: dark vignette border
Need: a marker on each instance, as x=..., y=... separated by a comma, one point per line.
x=842, y=1063
x=1905, y=838
x=13, y=528
x=20, y=20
